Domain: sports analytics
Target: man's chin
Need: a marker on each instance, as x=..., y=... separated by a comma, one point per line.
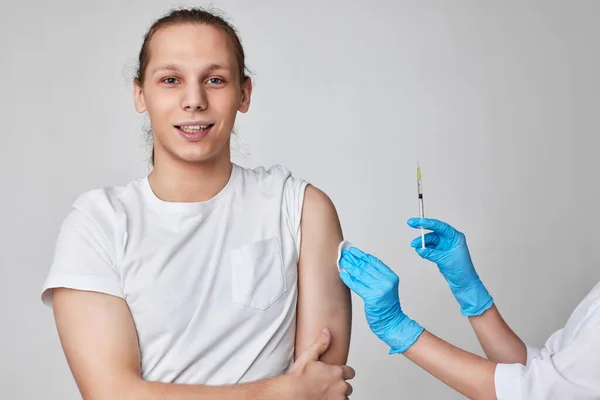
x=204, y=155
x=202, y=152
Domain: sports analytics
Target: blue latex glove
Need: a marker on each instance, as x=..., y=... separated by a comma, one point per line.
x=377, y=285
x=447, y=247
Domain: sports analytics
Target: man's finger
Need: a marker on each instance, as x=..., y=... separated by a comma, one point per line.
x=315, y=350
x=349, y=389
x=348, y=372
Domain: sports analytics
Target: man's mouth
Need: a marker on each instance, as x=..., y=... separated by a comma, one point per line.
x=193, y=128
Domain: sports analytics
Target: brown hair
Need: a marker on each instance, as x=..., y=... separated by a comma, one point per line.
x=197, y=16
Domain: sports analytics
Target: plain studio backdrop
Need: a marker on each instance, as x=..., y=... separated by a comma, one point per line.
x=498, y=100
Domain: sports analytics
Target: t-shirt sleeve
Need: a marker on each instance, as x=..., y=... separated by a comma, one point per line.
x=83, y=259
x=294, y=190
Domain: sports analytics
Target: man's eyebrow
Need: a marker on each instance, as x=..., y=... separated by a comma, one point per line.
x=213, y=67
x=175, y=68
x=168, y=67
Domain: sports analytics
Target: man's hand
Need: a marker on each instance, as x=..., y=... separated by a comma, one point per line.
x=316, y=380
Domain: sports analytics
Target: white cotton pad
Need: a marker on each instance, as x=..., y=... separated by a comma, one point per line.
x=344, y=245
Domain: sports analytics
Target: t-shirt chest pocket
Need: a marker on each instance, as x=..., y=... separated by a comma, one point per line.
x=258, y=273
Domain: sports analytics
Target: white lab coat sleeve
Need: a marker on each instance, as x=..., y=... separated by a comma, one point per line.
x=572, y=373
x=533, y=353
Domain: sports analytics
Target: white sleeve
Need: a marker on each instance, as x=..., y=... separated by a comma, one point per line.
x=533, y=353
x=572, y=373
x=294, y=190
x=82, y=260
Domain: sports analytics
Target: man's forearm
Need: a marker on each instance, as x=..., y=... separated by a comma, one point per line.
x=269, y=389
x=497, y=340
x=465, y=372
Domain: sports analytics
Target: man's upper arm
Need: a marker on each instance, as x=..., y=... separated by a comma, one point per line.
x=323, y=299
x=98, y=337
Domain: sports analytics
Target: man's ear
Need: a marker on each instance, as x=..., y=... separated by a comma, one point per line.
x=246, y=94
x=138, y=97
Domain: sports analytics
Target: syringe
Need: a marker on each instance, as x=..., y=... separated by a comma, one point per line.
x=421, y=206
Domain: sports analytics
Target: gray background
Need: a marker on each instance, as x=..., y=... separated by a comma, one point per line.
x=497, y=99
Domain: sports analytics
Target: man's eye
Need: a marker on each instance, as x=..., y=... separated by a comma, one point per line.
x=169, y=81
x=215, y=81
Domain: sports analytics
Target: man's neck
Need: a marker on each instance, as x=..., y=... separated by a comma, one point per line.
x=190, y=182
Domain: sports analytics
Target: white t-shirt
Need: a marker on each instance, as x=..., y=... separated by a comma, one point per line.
x=211, y=285
x=568, y=367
